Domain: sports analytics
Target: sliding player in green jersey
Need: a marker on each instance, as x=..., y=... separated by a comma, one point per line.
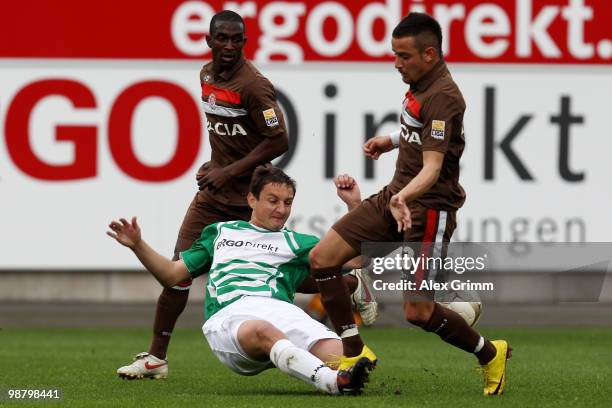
x=255, y=269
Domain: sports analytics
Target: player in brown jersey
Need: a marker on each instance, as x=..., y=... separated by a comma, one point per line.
x=419, y=205
x=246, y=129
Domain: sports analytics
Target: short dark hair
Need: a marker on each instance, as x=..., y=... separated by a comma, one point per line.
x=269, y=174
x=225, y=16
x=424, y=28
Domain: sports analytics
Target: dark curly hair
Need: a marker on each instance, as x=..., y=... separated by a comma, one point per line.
x=225, y=16
x=424, y=28
x=269, y=174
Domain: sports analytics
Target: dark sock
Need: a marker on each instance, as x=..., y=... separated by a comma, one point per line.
x=487, y=353
x=454, y=330
x=309, y=285
x=170, y=305
x=335, y=298
x=352, y=345
x=351, y=282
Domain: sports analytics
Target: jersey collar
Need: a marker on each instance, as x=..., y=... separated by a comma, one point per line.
x=227, y=75
x=429, y=78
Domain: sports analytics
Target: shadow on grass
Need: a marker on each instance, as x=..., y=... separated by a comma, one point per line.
x=271, y=392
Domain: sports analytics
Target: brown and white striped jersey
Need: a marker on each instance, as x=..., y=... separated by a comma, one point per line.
x=432, y=119
x=241, y=111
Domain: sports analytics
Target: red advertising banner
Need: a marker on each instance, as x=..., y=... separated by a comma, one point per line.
x=498, y=31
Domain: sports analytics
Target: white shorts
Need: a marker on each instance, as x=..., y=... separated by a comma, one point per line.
x=221, y=330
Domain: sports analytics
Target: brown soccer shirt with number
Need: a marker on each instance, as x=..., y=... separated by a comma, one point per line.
x=241, y=111
x=432, y=120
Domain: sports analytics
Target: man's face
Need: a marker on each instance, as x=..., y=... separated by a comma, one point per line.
x=409, y=61
x=226, y=43
x=273, y=207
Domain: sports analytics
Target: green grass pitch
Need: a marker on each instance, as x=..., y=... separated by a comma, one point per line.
x=568, y=367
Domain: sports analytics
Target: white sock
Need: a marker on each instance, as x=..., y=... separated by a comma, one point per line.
x=480, y=345
x=299, y=363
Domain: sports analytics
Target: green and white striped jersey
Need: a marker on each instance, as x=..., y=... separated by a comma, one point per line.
x=245, y=260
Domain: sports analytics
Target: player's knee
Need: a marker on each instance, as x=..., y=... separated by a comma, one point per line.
x=418, y=313
x=266, y=333
x=322, y=260
x=328, y=350
x=316, y=259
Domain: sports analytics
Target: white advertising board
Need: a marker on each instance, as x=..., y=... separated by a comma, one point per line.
x=536, y=165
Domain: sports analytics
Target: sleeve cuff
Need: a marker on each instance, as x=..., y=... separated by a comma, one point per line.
x=395, y=137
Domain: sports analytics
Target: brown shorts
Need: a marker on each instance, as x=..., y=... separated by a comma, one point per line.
x=372, y=222
x=202, y=212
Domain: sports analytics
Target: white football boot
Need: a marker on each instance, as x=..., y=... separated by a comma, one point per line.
x=363, y=297
x=145, y=365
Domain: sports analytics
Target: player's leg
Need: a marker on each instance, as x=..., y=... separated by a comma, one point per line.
x=308, y=334
x=362, y=297
x=170, y=304
x=172, y=301
x=433, y=229
x=153, y=364
x=365, y=223
x=450, y=327
x=329, y=351
x=262, y=341
x=257, y=337
x=244, y=339
x=454, y=330
x=309, y=285
x=326, y=261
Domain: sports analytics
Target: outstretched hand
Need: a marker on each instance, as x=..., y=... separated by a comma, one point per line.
x=347, y=189
x=127, y=234
x=400, y=212
x=376, y=146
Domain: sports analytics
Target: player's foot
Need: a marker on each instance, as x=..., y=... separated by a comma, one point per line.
x=145, y=365
x=363, y=298
x=347, y=362
x=494, y=371
x=352, y=381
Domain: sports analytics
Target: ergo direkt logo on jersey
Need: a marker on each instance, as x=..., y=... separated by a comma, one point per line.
x=246, y=244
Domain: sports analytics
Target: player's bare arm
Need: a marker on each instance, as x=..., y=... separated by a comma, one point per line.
x=348, y=190
x=378, y=145
x=424, y=180
x=167, y=272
